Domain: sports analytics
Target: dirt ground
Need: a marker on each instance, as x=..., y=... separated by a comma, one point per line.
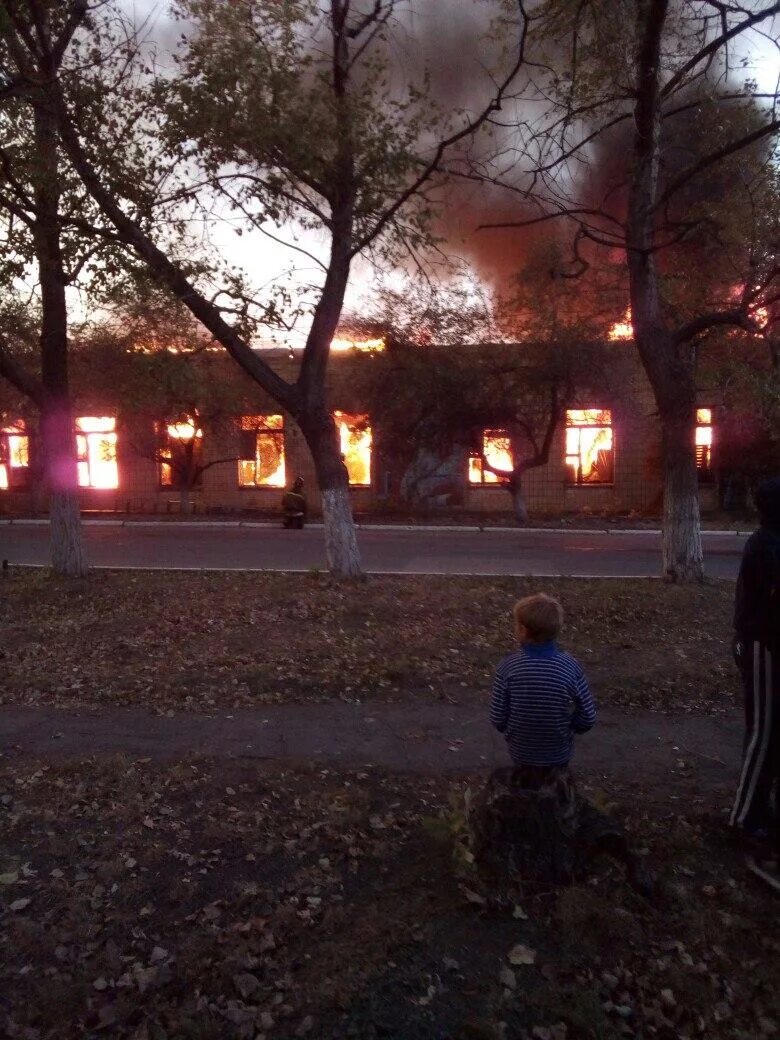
x=215, y=899
x=188, y=641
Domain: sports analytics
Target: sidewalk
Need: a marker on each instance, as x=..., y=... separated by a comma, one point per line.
x=742, y=531
x=647, y=748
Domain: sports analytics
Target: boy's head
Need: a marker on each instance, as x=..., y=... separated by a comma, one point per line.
x=538, y=619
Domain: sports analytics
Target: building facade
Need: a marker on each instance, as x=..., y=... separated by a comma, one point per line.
x=605, y=457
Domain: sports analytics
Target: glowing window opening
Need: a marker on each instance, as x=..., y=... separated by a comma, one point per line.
x=356, y=439
x=266, y=466
x=96, y=452
x=14, y=455
x=497, y=449
x=184, y=436
x=703, y=442
x=589, y=454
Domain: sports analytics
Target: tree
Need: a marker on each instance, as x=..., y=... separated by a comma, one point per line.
x=288, y=113
x=650, y=63
x=34, y=194
x=439, y=396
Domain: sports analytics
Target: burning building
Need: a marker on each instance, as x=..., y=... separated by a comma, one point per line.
x=604, y=456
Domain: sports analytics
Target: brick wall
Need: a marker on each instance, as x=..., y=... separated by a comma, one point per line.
x=636, y=439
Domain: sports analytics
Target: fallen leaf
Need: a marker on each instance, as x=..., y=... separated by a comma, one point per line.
x=522, y=955
x=507, y=978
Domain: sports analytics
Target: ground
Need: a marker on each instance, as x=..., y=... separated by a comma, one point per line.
x=218, y=899
x=224, y=897
x=189, y=641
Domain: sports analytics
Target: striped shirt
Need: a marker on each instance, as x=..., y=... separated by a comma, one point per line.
x=540, y=699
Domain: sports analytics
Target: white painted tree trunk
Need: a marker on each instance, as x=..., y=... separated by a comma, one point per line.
x=68, y=558
x=185, y=501
x=519, y=503
x=341, y=544
x=681, y=544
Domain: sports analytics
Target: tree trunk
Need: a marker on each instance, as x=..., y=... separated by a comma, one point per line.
x=519, y=503
x=341, y=544
x=683, y=557
x=185, y=500
x=68, y=558
x=669, y=364
x=59, y=443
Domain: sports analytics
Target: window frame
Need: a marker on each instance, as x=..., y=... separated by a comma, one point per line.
x=164, y=438
x=476, y=460
x=15, y=478
x=705, y=474
x=83, y=457
x=578, y=481
x=260, y=428
x=341, y=419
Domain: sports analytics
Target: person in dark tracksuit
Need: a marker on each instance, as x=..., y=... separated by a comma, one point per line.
x=756, y=811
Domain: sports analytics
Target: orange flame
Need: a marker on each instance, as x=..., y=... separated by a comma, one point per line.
x=356, y=439
x=96, y=448
x=622, y=330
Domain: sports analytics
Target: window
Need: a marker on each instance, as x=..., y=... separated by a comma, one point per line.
x=180, y=452
x=356, y=439
x=96, y=452
x=262, y=451
x=589, y=446
x=704, y=444
x=497, y=449
x=14, y=455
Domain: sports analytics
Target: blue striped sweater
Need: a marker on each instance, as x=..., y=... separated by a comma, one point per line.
x=540, y=700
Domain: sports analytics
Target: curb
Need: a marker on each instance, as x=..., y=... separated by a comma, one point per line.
x=430, y=529
x=379, y=574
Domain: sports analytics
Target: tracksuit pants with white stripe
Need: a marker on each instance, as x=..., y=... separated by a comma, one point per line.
x=756, y=809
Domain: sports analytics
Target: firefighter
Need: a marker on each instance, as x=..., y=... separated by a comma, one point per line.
x=294, y=506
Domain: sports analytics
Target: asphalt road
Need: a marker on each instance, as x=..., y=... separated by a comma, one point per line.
x=421, y=551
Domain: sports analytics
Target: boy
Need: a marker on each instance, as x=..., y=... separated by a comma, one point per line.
x=540, y=700
x=757, y=651
x=540, y=695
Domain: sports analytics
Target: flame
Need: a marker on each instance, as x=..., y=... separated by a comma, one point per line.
x=96, y=450
x=704, y=416
x=497, y=449
x=356, y=439
x=184, y=431
x=18, y=451
x=366, y=346
x=269, y=444
x=588, y=441
x=622, y=329
x=703, y=438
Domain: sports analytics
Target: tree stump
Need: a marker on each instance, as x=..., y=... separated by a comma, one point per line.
x=530, y=824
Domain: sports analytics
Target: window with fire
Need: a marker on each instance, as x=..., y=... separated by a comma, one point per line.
x=590, y=455
x=262, y=452
x=356, y=440
x=96, y=452
x=180, y=453
x=497, y=453
x=14, y=456
x=704, y=440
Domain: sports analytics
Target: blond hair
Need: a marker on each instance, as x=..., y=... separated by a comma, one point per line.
x=541, y=616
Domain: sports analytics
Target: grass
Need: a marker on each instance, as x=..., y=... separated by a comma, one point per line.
x=188, y=641
x=225, y=900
